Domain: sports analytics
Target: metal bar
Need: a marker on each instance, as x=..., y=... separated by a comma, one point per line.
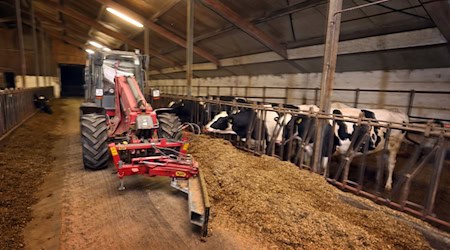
x=23, y=63
x=329, y=67
x=412, y=94
x=286, y=96
x=361, y=6
x=437, y=173
x=355, y=104
x=342, y=89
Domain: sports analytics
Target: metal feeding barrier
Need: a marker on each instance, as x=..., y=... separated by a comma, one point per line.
x=421, y=184
x=257, y=93
x=17, y=105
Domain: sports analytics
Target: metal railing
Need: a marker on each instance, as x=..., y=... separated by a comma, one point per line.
x=17, y=105
x=311, y=95
x=421, y=170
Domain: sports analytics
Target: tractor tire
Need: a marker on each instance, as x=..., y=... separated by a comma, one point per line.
x=168, y=125
x=94, y=141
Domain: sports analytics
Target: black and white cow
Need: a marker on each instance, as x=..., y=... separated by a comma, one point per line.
x=192, y=111
x=344, y=133
x=189, y=111
x=238, y=123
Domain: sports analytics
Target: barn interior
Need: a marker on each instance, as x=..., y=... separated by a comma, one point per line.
x=379, y=56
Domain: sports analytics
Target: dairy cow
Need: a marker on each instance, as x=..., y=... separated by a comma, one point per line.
x=344, y=133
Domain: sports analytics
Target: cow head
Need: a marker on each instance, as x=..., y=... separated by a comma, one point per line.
x=221, y=123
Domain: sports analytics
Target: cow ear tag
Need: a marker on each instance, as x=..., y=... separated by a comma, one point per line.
x=299, y=120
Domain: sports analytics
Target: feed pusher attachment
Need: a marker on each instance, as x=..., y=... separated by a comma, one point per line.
x=142, y=152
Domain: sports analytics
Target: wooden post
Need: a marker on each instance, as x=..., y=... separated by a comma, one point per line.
x=37, y=69
x=23, y=63
x=146, y=53
x=189, y=45
x=329, y=67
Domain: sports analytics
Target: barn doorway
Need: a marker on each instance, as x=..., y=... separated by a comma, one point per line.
x=72, y=80
x=10, y=79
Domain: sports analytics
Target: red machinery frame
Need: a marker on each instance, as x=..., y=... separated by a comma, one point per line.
x=130, y=104
x=157, y=165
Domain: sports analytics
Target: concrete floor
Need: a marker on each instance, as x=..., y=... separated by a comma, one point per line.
x=80, y=209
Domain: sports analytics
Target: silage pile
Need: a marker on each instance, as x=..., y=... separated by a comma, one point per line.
x=291, y=208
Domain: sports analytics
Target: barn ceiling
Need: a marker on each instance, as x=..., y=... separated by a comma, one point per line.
x=289, y=24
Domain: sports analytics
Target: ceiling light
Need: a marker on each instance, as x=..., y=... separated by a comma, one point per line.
x=89, y=51
x=95, y=44
x=125, y=17
x=106, y=49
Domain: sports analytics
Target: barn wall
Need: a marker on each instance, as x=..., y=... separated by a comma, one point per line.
x=58, y=53
x=425, y=105
x=31, y=83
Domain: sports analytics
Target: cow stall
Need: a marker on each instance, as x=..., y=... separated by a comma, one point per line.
x=412, y=155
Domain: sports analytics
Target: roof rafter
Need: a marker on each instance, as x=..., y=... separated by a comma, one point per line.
x=246, y=26
x=100, y=27
x=160, y=30
x=401, y=40
x=439, y=11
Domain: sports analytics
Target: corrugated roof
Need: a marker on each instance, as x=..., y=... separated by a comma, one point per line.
x=291, y=23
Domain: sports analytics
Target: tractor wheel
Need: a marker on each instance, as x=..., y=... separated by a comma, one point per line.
x=168, y=125
x=94, y=140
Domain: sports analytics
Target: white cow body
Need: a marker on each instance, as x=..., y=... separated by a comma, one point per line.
x=377, y=134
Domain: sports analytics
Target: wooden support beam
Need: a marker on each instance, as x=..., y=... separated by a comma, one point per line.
x=100, y=27
x=328, y=71
x=439, y=11
x=190, y=44
x=169, y=5
x=159, y=29
x=246, y=26
x=23, y=63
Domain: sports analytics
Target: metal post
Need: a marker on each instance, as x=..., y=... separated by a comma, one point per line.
x=355, y=104
x=411, y=101
x=189, y=45
x=37, y=70
x=23, y=62
x=44, y=55
x=329, y=67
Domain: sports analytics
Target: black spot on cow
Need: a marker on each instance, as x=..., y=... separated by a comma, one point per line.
x=221, y=123
x=342, y=127
x=376, y=139
x=242, y=121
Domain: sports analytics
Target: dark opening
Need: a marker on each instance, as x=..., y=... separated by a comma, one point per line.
x=10, y=79
x=72, y=80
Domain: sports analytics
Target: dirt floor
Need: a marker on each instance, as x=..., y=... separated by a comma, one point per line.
x=48, y=201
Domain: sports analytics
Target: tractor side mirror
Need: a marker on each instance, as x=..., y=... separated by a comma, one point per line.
x=98, y=59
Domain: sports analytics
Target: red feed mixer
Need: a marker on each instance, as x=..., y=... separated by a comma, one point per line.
x=116, y=121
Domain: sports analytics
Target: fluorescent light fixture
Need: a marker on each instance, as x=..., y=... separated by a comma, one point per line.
x=125, y=17
x=106, y=49
x=89, y=51
x=96, y=44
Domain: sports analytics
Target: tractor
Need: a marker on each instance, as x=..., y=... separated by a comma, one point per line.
x=116, y=122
